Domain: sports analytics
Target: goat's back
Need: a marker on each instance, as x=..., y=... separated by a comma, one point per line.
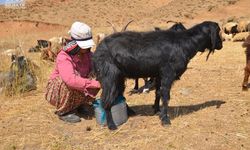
x=138, y=53
x=142, y=54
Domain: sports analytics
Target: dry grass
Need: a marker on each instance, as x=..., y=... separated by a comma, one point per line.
x=5, y=63
x=208, y=110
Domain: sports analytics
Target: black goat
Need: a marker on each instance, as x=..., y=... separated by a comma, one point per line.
x=163, y=55
x=178, y=26
x=43, y=43
x=40, y=44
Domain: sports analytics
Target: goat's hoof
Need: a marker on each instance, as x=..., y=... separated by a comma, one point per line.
x=112, y=127
x=165, y=121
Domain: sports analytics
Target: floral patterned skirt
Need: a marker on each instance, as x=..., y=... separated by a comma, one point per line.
x=64, y=98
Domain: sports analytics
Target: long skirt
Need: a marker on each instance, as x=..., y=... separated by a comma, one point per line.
x=63, y=97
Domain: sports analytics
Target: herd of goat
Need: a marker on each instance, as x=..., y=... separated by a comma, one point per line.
x=236, y=30
x=161, y=55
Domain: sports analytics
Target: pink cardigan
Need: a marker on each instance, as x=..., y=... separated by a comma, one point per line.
x=74, y=71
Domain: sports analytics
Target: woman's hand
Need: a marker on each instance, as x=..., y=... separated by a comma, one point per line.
x=94, y=84
x=93, y=88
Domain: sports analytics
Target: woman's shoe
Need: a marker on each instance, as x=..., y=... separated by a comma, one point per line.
x=84, y=110
x=72, y=118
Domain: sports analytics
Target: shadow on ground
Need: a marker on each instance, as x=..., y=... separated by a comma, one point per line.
x=147, y=110
x=176, y=111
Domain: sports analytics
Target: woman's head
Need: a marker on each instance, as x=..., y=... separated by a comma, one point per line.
x=81, y=36
x=81, y=33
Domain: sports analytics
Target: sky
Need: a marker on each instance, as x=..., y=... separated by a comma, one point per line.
x=2, y=2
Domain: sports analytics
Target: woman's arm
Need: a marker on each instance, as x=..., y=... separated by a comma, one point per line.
x=70, y=77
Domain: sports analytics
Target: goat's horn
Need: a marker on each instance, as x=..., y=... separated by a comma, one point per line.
x=113, y=27
x=125, y=27
x=175, y=21
x=172, y=21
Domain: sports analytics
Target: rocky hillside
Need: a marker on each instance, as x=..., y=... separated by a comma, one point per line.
x=97, y=12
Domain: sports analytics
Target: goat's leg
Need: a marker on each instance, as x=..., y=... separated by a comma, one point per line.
x=151, y=80
x=110, y=91
x=110, y=121
x=164, y=112
x=246, y=76
x=168, y=77
x=145, y=80
x=136, y=84
x=156, y=105
x=121, y=88
x=146, y=85
x=107, y=94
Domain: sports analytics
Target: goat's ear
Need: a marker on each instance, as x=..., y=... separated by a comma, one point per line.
x=214, y=35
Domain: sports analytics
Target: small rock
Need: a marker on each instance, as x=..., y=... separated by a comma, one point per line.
x=88, y=129
x=185, y=91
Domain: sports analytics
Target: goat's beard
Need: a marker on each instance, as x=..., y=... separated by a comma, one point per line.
x=210, y=51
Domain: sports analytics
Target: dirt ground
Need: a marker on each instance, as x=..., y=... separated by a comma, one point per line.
x=208, y=109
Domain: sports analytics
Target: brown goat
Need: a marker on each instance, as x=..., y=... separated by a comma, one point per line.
x=246, y=44
x=52, y=47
